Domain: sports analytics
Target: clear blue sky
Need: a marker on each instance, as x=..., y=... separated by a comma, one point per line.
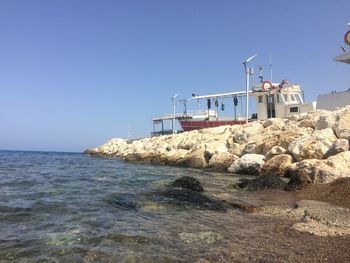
x=76, y=73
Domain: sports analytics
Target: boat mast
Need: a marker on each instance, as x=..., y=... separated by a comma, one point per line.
x=247, y=72
x=270, y=65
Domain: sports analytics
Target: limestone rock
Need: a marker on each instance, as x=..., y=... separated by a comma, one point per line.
x=195, y=159
x=248, y=164
x=283, y=138
x=307, y=124
x=218, y=147
x=326, y=120
x=340, y=164
x=309, y=171
x=277, y=165
x=338, y=146
x=245, y=132
x=215, y=148
x=222, y=161
x=342, y=125
x=312, y=146
x=275, y=150
x=237, y=149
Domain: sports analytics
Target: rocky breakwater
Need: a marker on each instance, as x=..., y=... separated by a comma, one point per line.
x=307, y=148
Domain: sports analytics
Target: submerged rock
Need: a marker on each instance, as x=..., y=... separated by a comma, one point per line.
x=321, y=219
x=187, y=197
x=188, y=182
x=262, y=182
x=203, y=237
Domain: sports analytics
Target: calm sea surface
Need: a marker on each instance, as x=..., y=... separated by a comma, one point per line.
x=66, y=207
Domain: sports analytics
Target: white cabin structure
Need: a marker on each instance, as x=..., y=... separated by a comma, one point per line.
x=280, y=102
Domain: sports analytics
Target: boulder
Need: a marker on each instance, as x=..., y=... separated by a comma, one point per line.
x=195, y=159
x=274, y=124
x=342, y=124
x=308, y=171
x=338, y=146
x=340, y=165
x=277, y=165
x=187, y=182
x=237, y=149
x=245, y=132
x=248, y=164
x=215, y=148
x=312, y=146
x=283, y=138
x=326, y=120
x=275, y=150
x=318, y=171
x=307, y=124
x=222, y=161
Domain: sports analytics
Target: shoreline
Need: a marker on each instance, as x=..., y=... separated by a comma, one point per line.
x=310, y=152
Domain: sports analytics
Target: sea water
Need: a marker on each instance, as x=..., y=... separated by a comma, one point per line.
x=70, y=207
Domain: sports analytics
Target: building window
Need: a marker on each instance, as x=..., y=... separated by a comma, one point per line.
x=260, y=99
x=294, y=109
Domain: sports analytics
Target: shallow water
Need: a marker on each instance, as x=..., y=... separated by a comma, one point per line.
x=64, y=207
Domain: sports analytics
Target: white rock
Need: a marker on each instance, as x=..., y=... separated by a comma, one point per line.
x=248, y=164
x=342, y=125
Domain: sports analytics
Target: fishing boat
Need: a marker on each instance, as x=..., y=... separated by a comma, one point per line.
x=272, y=100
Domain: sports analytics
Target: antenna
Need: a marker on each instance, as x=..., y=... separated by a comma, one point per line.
x=129, y=132
x=270, y=65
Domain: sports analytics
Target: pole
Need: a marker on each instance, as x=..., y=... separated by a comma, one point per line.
x=173, y=125
x=270, y=65
x=174, y=105
x=247, y=72
x=247, y=92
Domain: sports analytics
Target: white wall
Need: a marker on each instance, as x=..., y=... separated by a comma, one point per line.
x=333, y=100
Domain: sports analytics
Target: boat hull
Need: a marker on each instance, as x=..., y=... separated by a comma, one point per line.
x=190, y=125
